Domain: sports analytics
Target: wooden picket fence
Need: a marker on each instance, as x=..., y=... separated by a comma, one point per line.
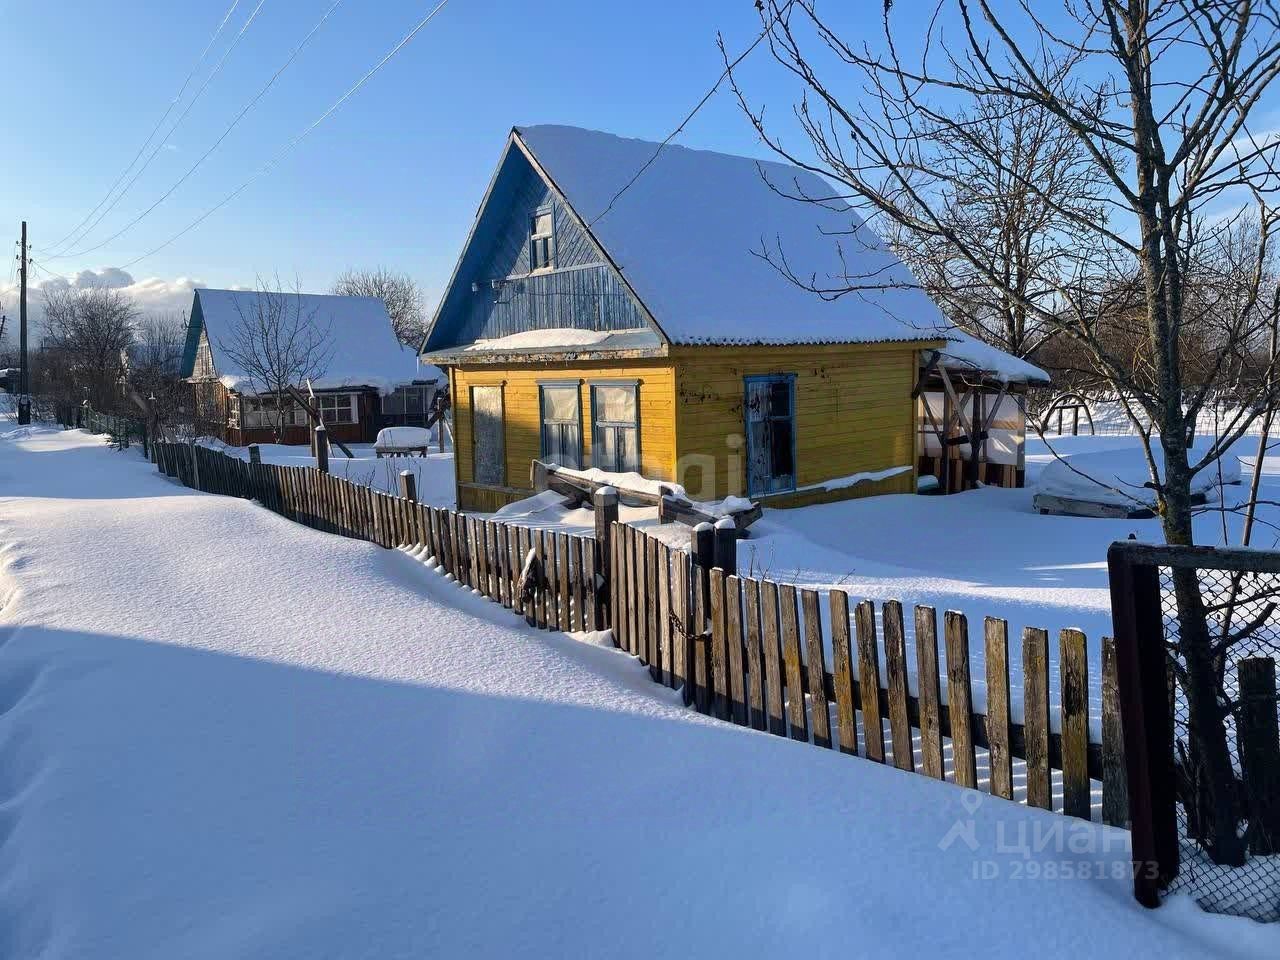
x=748, y=651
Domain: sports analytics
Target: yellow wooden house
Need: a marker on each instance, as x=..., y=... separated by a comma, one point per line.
x=643, y=328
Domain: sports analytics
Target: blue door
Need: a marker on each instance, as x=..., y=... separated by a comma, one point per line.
x=770, y=413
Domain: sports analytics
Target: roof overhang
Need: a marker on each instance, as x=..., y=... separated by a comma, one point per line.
x=497, y=358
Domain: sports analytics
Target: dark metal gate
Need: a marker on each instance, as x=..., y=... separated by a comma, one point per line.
x=1197, y=634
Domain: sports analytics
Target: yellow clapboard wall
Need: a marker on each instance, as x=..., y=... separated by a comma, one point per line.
x=853, y=405
x=522, y=412
x=854, y=413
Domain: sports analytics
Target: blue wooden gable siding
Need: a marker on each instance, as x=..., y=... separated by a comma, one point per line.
x=194, y=326
x=582, y=292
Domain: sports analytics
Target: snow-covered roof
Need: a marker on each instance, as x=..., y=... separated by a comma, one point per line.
x=365, y=349
x=965, y=351
x=688, y=232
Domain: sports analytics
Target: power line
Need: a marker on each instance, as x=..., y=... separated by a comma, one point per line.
x=692, y=113
x=177, y=123
x=169, y=109
x=225, y=133
x=270, y=164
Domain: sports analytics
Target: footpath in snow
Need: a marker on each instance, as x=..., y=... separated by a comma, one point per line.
x=224, y=735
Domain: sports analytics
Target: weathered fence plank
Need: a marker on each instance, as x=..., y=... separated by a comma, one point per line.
x=792, y=662
x=772, y=640
x=864, y=619
x=1035, y=723
x=960, y=699
x=755, y=657
x=996, y=643
x=843, y=672
x=895, y=665
x=817, y=668
x=1074, y=699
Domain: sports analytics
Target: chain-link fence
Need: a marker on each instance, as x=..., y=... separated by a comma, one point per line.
x=1225, y=753
x=1200, y=628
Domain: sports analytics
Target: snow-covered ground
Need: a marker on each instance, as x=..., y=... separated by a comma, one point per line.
x=222, y=734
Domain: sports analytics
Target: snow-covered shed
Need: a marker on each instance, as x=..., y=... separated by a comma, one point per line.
x=366, y=380
x=600, y=316
x=969, y=389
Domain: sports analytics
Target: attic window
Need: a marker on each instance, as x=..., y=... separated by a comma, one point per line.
x=542, y=240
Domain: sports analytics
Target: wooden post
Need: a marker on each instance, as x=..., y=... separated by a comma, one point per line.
x=703, y=548
x=409, y=486
x=1259, y=748
x=255, y=453
x=604, y=503
x=1137, y=616
x=726, y=545
x=702, y=543
x=322, y=448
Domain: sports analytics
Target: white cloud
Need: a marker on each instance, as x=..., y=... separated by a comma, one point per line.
x=152, y=294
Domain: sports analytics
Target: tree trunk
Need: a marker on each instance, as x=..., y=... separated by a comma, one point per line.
x=1210, y=801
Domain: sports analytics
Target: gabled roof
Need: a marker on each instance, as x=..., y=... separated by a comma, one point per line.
x=687, y=235
x=365, y=349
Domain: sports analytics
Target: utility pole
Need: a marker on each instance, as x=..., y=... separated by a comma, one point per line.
x=24, y=364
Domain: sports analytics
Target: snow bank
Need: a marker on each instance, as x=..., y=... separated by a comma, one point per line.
x=1117, y=477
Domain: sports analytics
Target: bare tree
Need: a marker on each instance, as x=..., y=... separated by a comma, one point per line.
x=155, y=362
x=1158, y=96
x=91, y=327
x=398, y=291
x=1026, y=234
x=278, y=344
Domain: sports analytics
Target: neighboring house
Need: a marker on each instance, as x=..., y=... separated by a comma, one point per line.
x=641, y=331
x=368, y=370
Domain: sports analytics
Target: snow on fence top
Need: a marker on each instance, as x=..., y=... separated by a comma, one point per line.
x=365, y=349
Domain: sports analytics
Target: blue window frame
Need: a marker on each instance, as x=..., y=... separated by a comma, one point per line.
x=560, y=413
x=769, y=414
x=615, y=425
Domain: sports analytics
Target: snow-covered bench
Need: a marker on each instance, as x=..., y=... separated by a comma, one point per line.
x=402, y=441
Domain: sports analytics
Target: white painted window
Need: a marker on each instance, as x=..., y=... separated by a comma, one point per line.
x=339, y=408
x=615, y=421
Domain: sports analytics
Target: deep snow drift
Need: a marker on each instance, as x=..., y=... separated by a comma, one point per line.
x=223, y=735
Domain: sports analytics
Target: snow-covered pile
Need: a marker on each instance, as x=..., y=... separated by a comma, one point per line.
x=248, y=739
x=1118, y=477
x=402, y=438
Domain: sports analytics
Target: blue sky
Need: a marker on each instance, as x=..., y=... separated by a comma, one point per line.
x=394, y=178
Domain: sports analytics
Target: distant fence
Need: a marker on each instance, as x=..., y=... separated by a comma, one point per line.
x=84, y=417
x=748, y=651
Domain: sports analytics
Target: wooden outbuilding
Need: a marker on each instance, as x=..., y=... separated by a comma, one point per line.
x=634, y=326
x=369, y=381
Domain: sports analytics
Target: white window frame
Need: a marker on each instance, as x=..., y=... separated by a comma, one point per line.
x=329, y=416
